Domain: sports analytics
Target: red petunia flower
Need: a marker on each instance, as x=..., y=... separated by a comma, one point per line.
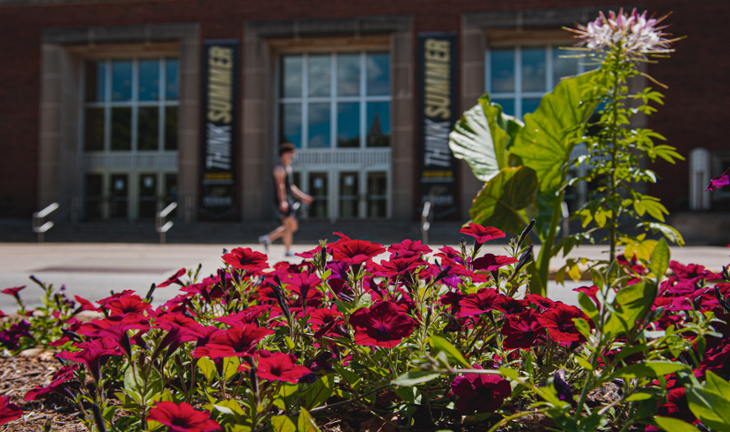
x=310, y=253
x=173, y=279
x=86, y=305
x=13, y=291
x=182, y=418
x=246, y=259
x=482, y=234
x=719, y=182
x=127, y=305
x=58, y=382
x=490, y=262
x=522, y=331
x=397, y=266
x=480, y=393
x=93, y=355
x=590, y=291
x=279, y=367
x=8, y=411
x=302, y=283
x=355, y=252
x=408, y=248
x=510, y=305
x=478, y=303
x=560, y=325
x=381, y=325
x=543, y=303
x=234, y=342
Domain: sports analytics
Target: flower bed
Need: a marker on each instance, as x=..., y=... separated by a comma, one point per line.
x=420, y=340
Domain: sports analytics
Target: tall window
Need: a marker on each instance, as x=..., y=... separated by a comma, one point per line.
x=518, y=76
x=131, y=104
x=339, y=100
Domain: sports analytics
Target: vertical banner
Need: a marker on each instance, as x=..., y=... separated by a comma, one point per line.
x=437, y=114
x=219, y=131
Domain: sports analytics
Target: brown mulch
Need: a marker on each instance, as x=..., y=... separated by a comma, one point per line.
x=22, y=373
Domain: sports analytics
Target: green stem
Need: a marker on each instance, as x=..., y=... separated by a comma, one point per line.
x=538, y=285
x=614, y=150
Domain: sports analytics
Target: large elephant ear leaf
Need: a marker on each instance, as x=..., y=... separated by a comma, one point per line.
x=481, y=138
x=502, y=198
x=545, y=143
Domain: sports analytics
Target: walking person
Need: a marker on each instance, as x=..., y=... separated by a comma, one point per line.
x=285, y=192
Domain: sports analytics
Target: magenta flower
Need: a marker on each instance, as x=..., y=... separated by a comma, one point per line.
x=183, y=418
x=302, y=283
x=234, y=342
x=58, y=383
x=13, y=291
x=719, y=182
x=246, y=259
x=490, y=262
x=279, y=367
x=381, y=325
x=397, y=266
x=93, y=356
x=480, y=393
x=560, y=325
x=482, y=234
x=408, y=248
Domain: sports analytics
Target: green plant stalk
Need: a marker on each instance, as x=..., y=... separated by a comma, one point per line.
x=538, y=285
x=614, y=151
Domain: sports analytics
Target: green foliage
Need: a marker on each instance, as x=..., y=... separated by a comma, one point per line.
x=501, y=200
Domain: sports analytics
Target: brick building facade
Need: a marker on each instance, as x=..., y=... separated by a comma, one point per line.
x=337, y=77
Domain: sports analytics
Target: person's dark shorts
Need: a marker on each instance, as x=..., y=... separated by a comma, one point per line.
x=291, y=212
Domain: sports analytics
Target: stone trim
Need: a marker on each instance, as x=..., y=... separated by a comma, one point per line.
x=62, y=54
x=263, y=40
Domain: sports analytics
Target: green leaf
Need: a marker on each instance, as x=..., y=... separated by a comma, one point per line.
x=317, y=393
x=230, y=367
x=635, y=301
x=674, y=425
x=588, y=307
x=353, y=379
x=282, y=424
x=441, y=344
x=415, y=377
x=499, y=202
x=709, y=407
x=650, y=369
x=480, y=141
x=668, y=231
x=207, y=367
x=660, y=259
x=544, y=142
x=717, y=384
x=306, y=423
x=145, y=383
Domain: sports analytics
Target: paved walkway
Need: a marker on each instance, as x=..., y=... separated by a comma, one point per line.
x=92, y=270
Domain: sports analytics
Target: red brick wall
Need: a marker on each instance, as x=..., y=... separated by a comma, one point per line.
x=696, y=75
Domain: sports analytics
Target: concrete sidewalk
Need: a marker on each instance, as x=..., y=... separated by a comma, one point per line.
x=92, y=270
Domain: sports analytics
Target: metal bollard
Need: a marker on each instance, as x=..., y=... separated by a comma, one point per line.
x=163, y=226
x=38, y=226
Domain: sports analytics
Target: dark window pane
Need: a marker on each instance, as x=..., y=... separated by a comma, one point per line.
x=171, y=128
x=121, y=80
x=147, y=195
x=318, y=191
x=94, y=129
x=502, y=70
x=291, y=124
x=377, y=194
x=533, y=69
x=319, y=125
x=320, y=71
x=563, y=67
x=148, y=128
x=348, y=124
x=170, y=187
x=121, y=129
x=149, y=80
x=93, y=196
x=378, y=74
x=95, y=81
x=508, y=106
x=118, y=193
x=291, y=76
x=348, y=75
x=349, y=195
x=529, y=105
x=172, y=79
x=378, y=124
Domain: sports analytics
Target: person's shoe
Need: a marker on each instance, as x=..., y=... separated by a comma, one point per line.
x=289, y=253
x=264, y=240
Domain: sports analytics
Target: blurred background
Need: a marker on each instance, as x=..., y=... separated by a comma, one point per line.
x=116, y=109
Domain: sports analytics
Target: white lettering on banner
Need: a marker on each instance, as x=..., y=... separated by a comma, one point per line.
x=218, y=147
x=437, y=144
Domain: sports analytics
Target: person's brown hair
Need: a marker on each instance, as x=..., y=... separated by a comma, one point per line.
x=286, y=147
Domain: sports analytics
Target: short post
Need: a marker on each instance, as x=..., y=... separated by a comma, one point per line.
x=39, y=227
x=163, y=226
x=566, y=221
x=426, y=218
